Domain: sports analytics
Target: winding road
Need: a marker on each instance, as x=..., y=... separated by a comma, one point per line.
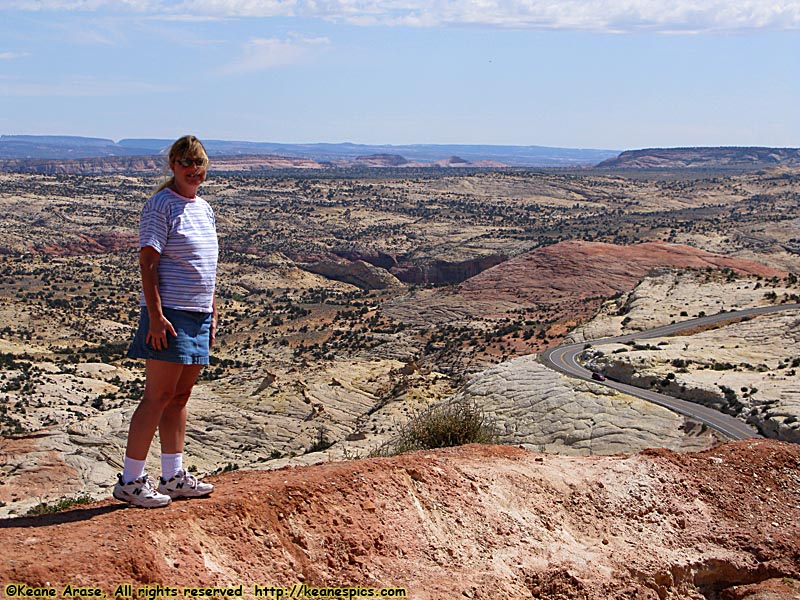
x=565, y=360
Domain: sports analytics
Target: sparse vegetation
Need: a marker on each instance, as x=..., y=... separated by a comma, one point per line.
x=70, y=282
x=454, y=422
x=65, y=503
x=321, y=440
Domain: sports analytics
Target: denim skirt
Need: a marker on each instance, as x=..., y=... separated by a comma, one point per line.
x=189, y=347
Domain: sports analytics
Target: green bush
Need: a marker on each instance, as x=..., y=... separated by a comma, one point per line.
x=449, y=423
x=62, y=504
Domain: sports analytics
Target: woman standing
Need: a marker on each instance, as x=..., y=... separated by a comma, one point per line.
x=178, y=259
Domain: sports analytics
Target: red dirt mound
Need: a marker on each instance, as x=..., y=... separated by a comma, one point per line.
x=474, y=522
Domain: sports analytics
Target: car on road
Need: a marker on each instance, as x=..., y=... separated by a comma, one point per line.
x=598, y=376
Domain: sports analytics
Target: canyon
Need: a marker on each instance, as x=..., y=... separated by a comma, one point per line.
x=349, y=304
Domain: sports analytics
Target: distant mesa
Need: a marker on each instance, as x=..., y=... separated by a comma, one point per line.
x=240, y=163
x=453, y=161
x=97, y=156
x=733, y=158
x=395, y=160
x=85, y=166
x=381, y=160
x=17, y=150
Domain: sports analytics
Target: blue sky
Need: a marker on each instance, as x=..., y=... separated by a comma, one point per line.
x=615, y=74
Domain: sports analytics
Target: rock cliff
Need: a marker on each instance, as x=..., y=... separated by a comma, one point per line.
x=444, y=271
x=358, y=273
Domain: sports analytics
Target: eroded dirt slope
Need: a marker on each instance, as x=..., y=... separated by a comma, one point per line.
x=470, y=522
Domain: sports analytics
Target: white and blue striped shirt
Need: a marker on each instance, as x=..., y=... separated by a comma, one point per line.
x=183, y=231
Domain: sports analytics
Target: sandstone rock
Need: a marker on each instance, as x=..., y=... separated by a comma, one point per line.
x=579, y=270
x=443, y=271
x=543, y=410
x=565, y=283
x=371, y=255
x=358, y=273
x=745, y=368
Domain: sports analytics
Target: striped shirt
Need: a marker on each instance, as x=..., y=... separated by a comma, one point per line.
x=183, y=231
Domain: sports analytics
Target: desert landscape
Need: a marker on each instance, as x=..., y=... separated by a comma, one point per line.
x=349, y=301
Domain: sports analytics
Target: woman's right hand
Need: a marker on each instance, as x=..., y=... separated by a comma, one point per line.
x=157, y=332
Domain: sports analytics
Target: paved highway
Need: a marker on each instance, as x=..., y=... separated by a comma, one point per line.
x=565, y=360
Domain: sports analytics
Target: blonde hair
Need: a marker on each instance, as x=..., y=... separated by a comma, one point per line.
x=188, y=145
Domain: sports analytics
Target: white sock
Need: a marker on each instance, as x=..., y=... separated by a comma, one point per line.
x=132, y=469
x=171, y=464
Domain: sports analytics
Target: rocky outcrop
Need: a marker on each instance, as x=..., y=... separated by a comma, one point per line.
x=371, y=255
x=705, y=158
x=580, y=269
x=565, y=282
x=358, y=273
x=444, y=272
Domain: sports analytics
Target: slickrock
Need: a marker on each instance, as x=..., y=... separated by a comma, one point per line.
x=671, y=295
x=586, y=271
x=298, y=418
x=476, y=521
x=746, y=368
x=542, y=410
x=358, y=272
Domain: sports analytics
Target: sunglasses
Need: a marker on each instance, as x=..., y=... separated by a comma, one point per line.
x=188, y=162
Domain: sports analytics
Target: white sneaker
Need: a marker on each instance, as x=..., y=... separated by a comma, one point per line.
x=184, y=485
x=140, y=492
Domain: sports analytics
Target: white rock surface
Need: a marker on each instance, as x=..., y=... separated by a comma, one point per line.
x=548, y=412
x=745, y=368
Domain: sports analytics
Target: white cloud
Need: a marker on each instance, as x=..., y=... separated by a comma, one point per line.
x=667, y=16
x=603, y=15
x=268, y=53
x=12, y=55
x=81, y=5
x=241, y=8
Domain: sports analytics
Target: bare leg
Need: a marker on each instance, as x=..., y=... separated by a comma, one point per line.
x=160, y=386
x=172, y=426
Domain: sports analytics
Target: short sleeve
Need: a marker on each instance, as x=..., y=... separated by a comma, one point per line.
x=154, y=225
x=211, y=217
